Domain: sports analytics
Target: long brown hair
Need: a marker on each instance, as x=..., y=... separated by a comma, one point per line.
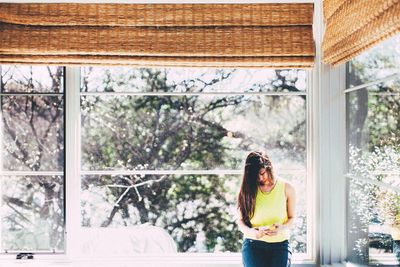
x=248, y=189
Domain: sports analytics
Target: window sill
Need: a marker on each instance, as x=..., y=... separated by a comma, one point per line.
x=378, y=260
x=190, y=260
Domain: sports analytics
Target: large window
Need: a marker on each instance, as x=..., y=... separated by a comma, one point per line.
x=373, y=127
x=32, y=159
x=160, y=155
x=165, y=147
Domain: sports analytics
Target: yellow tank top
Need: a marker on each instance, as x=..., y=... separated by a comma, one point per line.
x=395, y=229
x=395, y=232
x=271, y=208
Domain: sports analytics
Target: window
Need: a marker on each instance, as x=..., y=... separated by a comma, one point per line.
x=373, y=112
x=32, y=159
x=160, y=151
x=166, y=147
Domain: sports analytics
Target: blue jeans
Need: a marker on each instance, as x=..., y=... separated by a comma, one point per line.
x=256, y=253
x=396, y=249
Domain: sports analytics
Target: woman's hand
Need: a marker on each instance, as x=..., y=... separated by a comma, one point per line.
x=273, y=229
x=256, y=233
x=270, y=230
x=279, y=227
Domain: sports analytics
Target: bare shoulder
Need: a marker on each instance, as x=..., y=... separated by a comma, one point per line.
x=289, y=189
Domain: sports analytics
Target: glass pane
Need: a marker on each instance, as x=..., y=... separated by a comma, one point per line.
x=32, y=79
x=126, y=79
x=378, y=62
x=32, y=213
x=298, y=239
x=191, y=132
x=32, y=133
x=196, y=211
x=374, y=223
x=374, y=131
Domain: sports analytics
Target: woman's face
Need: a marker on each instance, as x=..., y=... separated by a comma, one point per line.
x=263, y=177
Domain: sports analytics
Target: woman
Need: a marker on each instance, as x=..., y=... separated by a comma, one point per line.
x=395, y=232
x=266, y=212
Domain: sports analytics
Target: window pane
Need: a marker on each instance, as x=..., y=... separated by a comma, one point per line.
x=191, y=132
x=125, y=79
x=374, y=223
x=33, y=133
x=197, y=211
x=32, y=213
x=373, y=128
x=374, y=131
x=298, y=239
x=378, y=62
x=31, y=79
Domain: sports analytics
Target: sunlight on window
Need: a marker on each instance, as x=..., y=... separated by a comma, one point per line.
x=32, y=159
x=373, y=132
x=207, y=125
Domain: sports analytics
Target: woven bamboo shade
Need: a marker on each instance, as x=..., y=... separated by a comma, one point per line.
x=209, y=35
x=353, y=26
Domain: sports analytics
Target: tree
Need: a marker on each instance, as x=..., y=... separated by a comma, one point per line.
x=173, y=132
x=153, y=133
x=33, y=133
x=374, y=147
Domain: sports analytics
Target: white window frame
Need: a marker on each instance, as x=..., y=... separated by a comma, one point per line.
x=386, y=260
x=326, y=141
x=30, y=172
x=328, y=153
x=73, y=174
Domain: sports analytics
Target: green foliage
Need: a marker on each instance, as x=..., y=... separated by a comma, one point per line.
x=168, y=133
x=373, y=116
x=172, y=132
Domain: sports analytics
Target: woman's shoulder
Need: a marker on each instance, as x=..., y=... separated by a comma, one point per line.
x=284, y=182
x=288, y=187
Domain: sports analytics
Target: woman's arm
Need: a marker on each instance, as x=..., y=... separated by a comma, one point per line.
x=290, y=204
x=248, y=231
x=290, y=208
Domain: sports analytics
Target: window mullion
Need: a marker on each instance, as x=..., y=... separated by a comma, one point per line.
x=32, y=173
x=1, y=149
x=193, y=93
x=365, y=85
x=72, y=146
x=332, y=166
x=374, y=182
x=180, y=172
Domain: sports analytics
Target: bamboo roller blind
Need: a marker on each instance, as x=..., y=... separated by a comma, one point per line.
x=353, y=26
x=213, y=35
